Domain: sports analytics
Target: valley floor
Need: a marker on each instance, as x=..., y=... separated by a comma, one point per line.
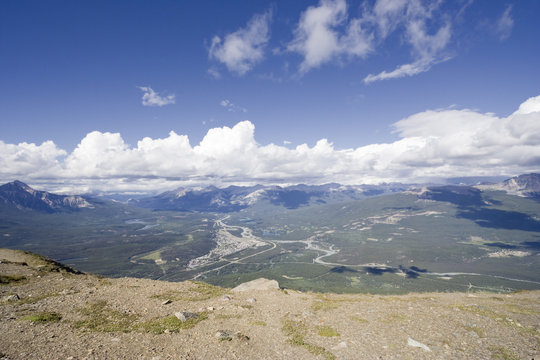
x=48, y=312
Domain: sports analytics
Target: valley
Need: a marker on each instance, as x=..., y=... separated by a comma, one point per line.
x=406, y=239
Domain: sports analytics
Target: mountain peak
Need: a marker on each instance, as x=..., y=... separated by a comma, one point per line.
x=525, y=185
x=22, y=196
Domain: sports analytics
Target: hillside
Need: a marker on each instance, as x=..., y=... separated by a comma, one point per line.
x=49, y=311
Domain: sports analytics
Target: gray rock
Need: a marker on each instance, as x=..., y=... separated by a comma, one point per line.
x=251, y=300
x=11, y=298
x=226, y=298
x=166, y=302
x=257, y=284
x=223, y=335
x=184, y=315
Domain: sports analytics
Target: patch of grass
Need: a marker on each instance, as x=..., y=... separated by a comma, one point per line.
x=326, y=331
x=359, y=319
x=10, y=279
x=246, y=306
x=395, y=318
x=100, y=318
x=325, y=302
x=501, y=319
x=171, y=323
x=479, y=331
x=257, y=322
x=198, y=291
x=296, y=331
x=501, y=352
x=43, y=317
x=324, y=305
x=228, y=316
x=35, y=299
x=520, y=310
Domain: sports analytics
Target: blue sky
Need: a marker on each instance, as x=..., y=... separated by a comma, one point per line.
x=297, y=71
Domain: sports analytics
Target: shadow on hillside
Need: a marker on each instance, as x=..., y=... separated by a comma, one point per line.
x=410, y=272
x=500, y=219
x=502, y=245
x=462, y=196
x=342, y=269
x=373, y=270
x=532, y=245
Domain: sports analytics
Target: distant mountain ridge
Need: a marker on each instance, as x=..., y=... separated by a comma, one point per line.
x=22, y=196
x=235, y=198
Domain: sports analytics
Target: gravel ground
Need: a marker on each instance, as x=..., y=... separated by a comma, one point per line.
x=60, y=315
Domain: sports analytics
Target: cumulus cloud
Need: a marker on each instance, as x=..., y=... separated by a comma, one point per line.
x=326, y=33
x=323, y=34
x=231, y=107
x=29, y=160
x=242, y=49
x=152, y=98
x=432, y=144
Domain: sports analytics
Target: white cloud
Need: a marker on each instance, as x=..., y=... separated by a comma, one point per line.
x=152, y=98
x=325, y=33
x=231, y=107
x=29, y=160
x=319, y=36
x=242, y=49
x=427, y=49
x=214, y=73
x=433, y=144
x=505, y=24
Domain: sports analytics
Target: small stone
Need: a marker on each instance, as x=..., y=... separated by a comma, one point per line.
x=341, y=345
x=223, y=335
x=168, y=301
x=184, y=315
x=11, y=298
x=167, y=331
x=414, y=343
x=210, y=308
x=241, y=336
x=251, y=300
x=226, y=298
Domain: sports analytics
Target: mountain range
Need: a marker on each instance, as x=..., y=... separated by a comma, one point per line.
x=234, y=198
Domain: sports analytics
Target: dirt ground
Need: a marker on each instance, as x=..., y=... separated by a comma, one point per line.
x=57, y=314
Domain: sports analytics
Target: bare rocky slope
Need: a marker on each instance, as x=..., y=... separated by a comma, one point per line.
x=48, y=311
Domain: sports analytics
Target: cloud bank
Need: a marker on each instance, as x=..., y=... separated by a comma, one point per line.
x=432, y=144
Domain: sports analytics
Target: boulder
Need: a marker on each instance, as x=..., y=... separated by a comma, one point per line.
x=257, y=284
x=184, y=315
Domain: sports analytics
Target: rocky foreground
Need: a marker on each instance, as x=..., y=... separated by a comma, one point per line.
x=49, y=311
